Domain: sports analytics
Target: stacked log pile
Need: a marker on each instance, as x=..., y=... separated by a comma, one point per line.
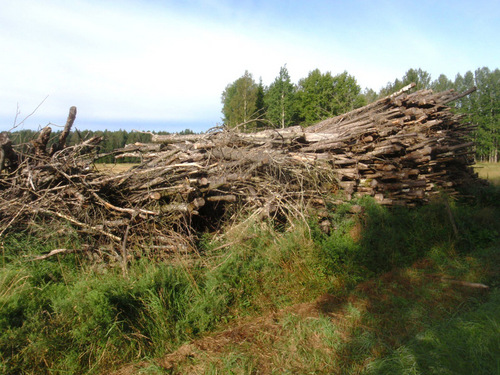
x=401, y=149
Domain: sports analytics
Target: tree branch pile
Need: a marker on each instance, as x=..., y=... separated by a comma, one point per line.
x=401, y=149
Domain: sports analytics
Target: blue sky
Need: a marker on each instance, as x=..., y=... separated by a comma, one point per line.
x=162, y=65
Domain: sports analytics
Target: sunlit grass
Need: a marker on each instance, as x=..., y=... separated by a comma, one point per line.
x=114, y=168
x=261, y=299
x=489, y=171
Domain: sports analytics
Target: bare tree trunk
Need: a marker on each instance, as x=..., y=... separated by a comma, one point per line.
x=2, y=159
x=40, y=144
x=282, y=110
x=64, y=135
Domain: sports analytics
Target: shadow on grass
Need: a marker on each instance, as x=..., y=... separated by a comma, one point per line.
x=468, y=344
x=419, y=313
x=399, y=281
x=392, y=275
x=381, y=315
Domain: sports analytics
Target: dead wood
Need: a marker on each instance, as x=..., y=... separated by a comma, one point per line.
x=8, y=158
x=40, y=144
x=56, y=252
x=61, y=143
x=402, y=150
x=465, y=283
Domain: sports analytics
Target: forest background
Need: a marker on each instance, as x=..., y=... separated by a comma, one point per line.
x=249, y=105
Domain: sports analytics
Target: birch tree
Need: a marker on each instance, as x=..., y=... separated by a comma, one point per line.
x=280, y=100
x=239, y=101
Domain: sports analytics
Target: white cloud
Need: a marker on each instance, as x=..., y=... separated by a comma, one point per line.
x=153, y=61
x=137, y=65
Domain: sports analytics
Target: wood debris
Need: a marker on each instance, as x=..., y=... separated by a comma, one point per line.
x=402, y=150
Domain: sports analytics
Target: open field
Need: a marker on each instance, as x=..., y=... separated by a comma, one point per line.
x=114, y=168
x=489, y=171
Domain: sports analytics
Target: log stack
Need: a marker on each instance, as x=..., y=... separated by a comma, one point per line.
x=402, y=150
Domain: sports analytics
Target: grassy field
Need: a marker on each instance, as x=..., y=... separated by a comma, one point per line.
x=489, y=171
x=114, y=168
x=386, y=292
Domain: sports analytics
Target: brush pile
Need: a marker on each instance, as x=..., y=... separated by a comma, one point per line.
x=402, y=150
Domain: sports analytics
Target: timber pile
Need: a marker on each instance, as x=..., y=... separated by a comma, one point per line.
x=402, y=149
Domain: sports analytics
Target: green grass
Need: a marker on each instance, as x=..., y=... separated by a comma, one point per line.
x=466, y=344
x=489, y=171
x=64, y=315
x=372, y=328
x=69, y=314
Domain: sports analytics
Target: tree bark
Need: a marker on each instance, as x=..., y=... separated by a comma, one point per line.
x=7, y=154
x=64, y=135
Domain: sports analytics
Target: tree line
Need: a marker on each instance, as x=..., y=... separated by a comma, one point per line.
x=283, y=103
x=249, y=105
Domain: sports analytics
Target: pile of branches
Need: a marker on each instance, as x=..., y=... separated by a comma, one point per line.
x=402, y=149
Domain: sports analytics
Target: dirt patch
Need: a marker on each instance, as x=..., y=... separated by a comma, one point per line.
x=356, y=231
x=246, y=333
